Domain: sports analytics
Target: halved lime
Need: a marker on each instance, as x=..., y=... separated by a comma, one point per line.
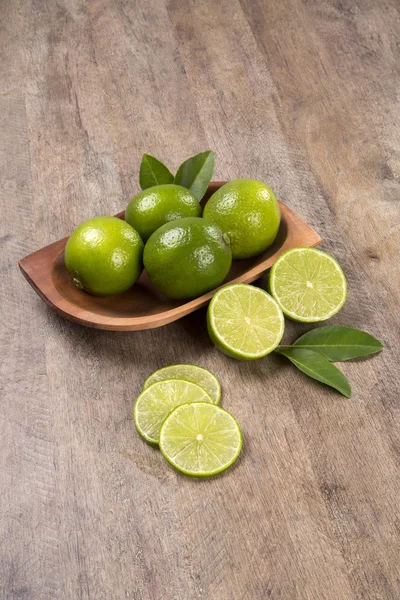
x=200, y=439
x=308, y=284
x=193, y=373
x=244, y=321
x=157, y=401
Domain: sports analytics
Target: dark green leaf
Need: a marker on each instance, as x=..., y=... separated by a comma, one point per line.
x=196, y=172
x=316, y=366
x=153, y=172
x=337, y=343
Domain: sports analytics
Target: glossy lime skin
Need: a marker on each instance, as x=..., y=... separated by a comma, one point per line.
x=158, y=205
x=104, y=256
x=187, y=257
x=248, y=211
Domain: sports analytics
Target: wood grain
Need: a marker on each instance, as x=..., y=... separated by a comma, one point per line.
x=302, y=94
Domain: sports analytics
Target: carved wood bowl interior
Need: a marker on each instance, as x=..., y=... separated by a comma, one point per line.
x=142, y=307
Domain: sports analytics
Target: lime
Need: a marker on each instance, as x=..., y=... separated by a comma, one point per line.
x=104, y=256
x=158, y=205
x=157, y=401
x=308, y=284
x=199, y=375
x=200, y=439
x=244, y=322
x=187, y=257
x=248, y=211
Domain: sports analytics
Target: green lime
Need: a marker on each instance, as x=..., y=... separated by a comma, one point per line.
x=244, y=322
x=155, y=403
x=158, y=205
x=199, y=375
x=187, y=257
x=248, y=211
x=104, y=256
x=308, y=284
x=200, y=439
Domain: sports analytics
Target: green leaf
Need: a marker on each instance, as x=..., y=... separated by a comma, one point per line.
x=153, y=172
x=196, y=172
x=338, y=343
x=316, y=366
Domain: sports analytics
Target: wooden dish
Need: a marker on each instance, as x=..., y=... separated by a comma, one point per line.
x=142, y=307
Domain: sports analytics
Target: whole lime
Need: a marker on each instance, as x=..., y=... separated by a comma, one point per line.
x=187, y=257
x=104, y=256
x=248, y=211
x=158, y=205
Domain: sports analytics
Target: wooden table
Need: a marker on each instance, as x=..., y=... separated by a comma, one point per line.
x=301, y=94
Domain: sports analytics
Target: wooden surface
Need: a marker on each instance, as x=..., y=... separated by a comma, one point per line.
x=302, y=94
x=142, y=307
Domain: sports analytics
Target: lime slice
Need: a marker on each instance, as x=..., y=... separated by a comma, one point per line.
x=199, y=375
x=200, y=439
x=308, y=284
x=156, y=402
x=244, y=322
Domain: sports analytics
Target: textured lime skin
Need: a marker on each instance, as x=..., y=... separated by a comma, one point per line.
x=248, y=211
x=104, y=256
x=187, y=257
x=158, y=205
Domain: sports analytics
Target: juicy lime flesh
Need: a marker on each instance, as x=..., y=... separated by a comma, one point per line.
x=248, y=212
x=104, y=256
x=308, y=284
x=187, y=257
x=158, y=205
x=244, y=321
x=155, y=403
x=200, y=439
x=193, y=373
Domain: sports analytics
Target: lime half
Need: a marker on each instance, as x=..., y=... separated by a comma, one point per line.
x=308, y=284
x=199, y=375
x=156, y=402
x=244, y=321
x=200, y=439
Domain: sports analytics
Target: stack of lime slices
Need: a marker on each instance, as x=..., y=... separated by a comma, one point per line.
x=178, y=411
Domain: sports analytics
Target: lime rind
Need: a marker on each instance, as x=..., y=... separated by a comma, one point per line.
x=199, y=375
x=176, y=434
x=154, y=404
x=308, y=285
x=249, y=316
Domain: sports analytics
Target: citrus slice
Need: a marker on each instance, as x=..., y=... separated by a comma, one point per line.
x=193, y=373
x=157, y=401
x=200, y=439
x=308, y=284
x=244, y=321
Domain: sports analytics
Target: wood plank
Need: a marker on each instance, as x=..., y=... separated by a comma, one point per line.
x=302, y=95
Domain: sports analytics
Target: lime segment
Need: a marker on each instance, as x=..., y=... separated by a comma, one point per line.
x=308, y=284
x=157, y=401
x=200, y=439
x=244, y=321
x=199, y=375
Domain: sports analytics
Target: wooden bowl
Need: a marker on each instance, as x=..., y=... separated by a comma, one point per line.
x=142, y=307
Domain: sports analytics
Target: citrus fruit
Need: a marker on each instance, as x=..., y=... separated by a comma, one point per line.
x=248, y=211
x=199, y=375
x=158, y=205
x=187, y=257
x=200, y=439
x=308, y=284
x=244, y=321
x=157, y=401
x=104, y=256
